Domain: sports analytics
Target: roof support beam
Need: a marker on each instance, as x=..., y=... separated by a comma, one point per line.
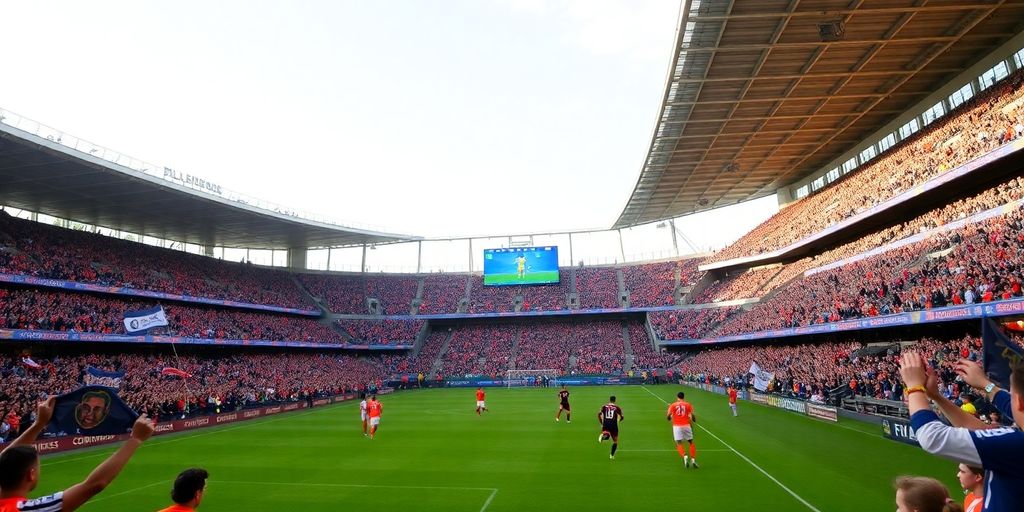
x=844, y=42
x=838, y=74
x=847, y=12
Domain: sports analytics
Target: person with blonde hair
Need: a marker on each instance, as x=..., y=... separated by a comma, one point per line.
x=923, y=494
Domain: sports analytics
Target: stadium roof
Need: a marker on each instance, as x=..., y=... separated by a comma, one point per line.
x=762, y=93
x=49, y=175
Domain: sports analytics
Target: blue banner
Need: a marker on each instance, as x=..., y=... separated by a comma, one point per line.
x=92, y=411
x=92, y=337
x=96, y=377
x=1000, y=352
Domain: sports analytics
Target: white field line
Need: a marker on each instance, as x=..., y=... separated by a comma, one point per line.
x=129, y=491
x=744, y=457
x=175, y=438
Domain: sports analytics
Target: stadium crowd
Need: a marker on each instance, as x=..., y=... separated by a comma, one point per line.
x=979, y=125
x=224, y=381
x=479, y=350
x=442, y=292
x=24, y=308
x=977, y=263
x=820, y=371
x=688, y=323
x=383, y=331
x=598, y=287
x=651, y=285
x=39, y=250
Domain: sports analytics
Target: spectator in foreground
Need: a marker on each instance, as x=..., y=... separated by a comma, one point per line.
x=972, y=480
x=970, y=441
x=188, y=490
x=922, y=494
x=19, y=468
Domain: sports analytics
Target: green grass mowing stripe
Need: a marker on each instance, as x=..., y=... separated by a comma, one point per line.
x=432, y=438
x=744, y=457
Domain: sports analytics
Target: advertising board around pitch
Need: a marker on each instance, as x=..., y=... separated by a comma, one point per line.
x=521, y=265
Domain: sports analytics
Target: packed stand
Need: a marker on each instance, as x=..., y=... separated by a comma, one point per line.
x=983, y=123
x=748, y=284
x=651, y=285
x=442, y=292
x=345, y=294
x=977, y=263
x=600, y=347
x=479, y=350
x=40, y=250
x=644, y=355
x=598, y=287
x=597, y=345
x=551, y=297
x=22, y=308
x=382, y=332
x=820, y=371
x=395, y=293
x=233, y=381
x=491, y=299
x=688, y=323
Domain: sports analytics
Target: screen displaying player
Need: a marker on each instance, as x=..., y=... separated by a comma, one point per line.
x=524, y=265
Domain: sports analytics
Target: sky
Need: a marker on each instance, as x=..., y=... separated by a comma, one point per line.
x=430, y=118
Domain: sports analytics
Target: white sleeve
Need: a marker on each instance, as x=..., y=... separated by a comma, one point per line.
x=949, y=442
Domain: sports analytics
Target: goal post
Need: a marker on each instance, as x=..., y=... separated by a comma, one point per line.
x=527, y=378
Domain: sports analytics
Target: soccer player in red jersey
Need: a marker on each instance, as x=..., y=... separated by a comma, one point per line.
x=481, y=405
x=732, y=400
x=680, y=413
x=563, y=405
x=373, y=410
x=609, y=417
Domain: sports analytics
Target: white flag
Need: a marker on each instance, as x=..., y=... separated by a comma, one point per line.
x=761, y=377
x=135, y=321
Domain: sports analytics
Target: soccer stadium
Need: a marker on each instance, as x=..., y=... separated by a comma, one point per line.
x=852, y=339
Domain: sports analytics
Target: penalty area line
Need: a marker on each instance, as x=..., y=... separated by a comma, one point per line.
x=744, y=457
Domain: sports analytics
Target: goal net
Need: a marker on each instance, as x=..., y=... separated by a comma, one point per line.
x=527, y=378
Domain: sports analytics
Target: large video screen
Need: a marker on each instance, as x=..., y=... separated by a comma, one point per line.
x=522, y=265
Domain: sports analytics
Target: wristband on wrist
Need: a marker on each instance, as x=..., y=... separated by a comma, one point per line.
x=914, y=389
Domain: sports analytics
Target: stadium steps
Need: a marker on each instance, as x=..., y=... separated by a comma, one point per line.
x=438, y=363
x=706, y=280
x=627, y=348
x=515, y=349
x=757, y=292
x=620, y=278
x=465, y=301
x=417, y=301
x=320, y=304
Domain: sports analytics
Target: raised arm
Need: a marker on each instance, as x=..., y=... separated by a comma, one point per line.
x=956, y=416
x=76, y=495
x=44, y=411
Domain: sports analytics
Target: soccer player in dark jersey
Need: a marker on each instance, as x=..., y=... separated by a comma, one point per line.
x=609, y=418
x=563, y=405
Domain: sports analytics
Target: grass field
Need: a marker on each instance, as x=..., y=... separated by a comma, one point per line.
x=433, y=453
x=538, y=277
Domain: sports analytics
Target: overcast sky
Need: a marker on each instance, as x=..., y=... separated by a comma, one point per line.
x=425, y=117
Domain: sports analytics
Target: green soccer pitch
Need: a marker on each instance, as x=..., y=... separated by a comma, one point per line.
x=433, y=452
x=539, y=277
